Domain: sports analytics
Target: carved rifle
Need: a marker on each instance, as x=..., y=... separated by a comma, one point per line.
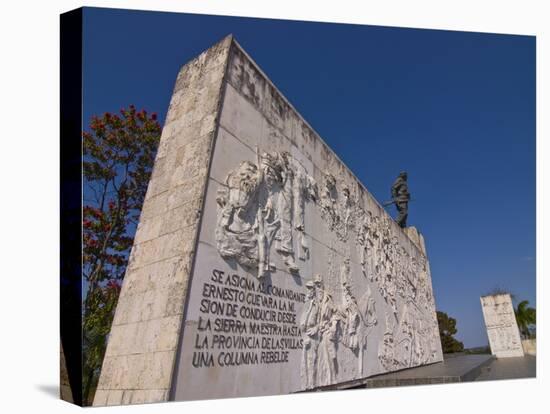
x=259, y=161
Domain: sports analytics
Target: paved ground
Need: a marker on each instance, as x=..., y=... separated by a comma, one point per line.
x=509, y=368
x=456, y=369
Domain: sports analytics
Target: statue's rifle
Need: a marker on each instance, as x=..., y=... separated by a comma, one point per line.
x=389, y=203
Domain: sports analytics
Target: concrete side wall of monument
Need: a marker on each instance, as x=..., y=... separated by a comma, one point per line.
x=142, y=345
x=65, y=392
x=301, y=279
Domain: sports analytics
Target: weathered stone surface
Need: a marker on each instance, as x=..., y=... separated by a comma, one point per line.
x=502, y=328
x=144, y=337
x=283, y=216
x=64, y=385
x=142, y=346
x=291, y=275
x=417, y=238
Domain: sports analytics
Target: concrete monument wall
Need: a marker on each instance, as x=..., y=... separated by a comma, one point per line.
x=143, y=342
x=65, y=392
x=502, y=328
x=275, y=271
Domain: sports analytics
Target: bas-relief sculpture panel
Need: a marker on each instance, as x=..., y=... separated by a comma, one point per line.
x=261, y=209
x=502, y=328
x=324, y=286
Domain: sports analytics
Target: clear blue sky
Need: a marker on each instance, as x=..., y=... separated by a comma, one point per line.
x=454, y=109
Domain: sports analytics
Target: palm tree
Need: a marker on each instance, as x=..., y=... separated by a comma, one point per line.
x=525, y=316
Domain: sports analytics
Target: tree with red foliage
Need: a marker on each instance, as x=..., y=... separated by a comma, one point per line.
x=118, y=157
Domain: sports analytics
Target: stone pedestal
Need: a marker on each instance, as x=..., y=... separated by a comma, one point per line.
x=416, y=237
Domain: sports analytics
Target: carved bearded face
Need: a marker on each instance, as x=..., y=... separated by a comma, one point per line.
x=346, y=193
x=270, y=177
x=271, y=170
x=348, y=298
x=242, y=184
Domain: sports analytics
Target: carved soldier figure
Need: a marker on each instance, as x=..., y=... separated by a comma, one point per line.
x=285, y=244
x=304, y=189
x=367, y=312
x=377, y=249
x=400, y=196
x=405, y=338
x=267, y=226
x=346, y=211
x=329, y=329
x=277, y=177
x=365, y=242
x=386, y=346
x=328, y=200
x=235, y=234
x=352, y=318
x=310, y=331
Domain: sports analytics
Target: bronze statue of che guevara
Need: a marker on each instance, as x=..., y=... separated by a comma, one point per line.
x=400, y=196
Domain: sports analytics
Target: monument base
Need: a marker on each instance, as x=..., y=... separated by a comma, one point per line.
x=461, y=368
x=510, y=368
